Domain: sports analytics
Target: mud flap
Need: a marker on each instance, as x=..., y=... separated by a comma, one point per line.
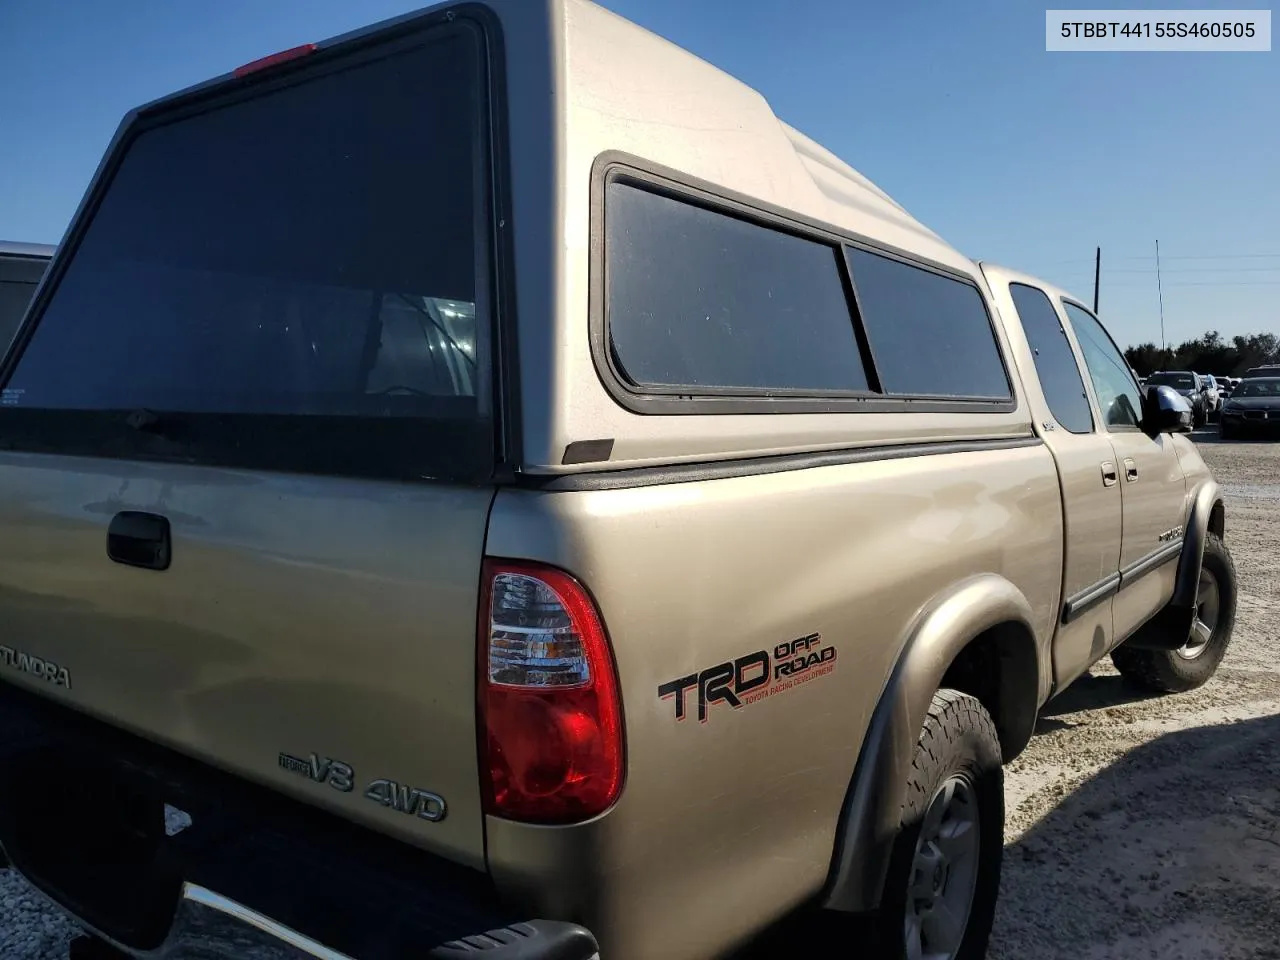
x=1167, y=630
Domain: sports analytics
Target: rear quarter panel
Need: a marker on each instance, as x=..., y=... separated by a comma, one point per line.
x=725, y=824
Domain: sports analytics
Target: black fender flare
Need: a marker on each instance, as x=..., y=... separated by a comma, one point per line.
x=1206, y=502
x=873, y=804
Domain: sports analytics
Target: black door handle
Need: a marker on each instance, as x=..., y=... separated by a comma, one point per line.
x=139, y=540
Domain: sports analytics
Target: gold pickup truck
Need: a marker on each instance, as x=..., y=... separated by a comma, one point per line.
x=483, y=486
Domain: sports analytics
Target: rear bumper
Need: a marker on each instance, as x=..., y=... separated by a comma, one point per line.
x=211, y=927
x=245, y=873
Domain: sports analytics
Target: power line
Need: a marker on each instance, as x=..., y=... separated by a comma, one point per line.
x=1226, y=283
x=1200, y=270
x=1143, y=284
x=1083, y=261
x=1213, y=256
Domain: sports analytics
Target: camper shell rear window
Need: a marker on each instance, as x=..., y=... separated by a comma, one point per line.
x=290, y=273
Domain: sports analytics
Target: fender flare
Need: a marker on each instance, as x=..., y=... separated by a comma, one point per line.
x=873, y=804
x=1205, y=502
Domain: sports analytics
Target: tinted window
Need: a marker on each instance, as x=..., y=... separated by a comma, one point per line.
x=1183, y=381
x=930, y=334
x=700, y=299
x=14, y=297
x=1117, y=391
x=1055, y=362
x=310, y=251
x=1258, y=388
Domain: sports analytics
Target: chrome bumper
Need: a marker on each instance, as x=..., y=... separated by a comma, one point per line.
x=209, y=926
x=240, y=872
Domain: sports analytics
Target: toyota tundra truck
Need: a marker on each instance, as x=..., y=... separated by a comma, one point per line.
x=484, y=485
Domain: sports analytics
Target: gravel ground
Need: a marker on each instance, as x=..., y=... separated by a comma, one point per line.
x=1138, y=827
x=1149, y=827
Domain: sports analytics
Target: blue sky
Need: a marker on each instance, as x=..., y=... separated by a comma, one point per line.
x=1011, y=153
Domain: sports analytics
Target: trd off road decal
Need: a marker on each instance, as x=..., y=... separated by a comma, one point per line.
x=753, y=677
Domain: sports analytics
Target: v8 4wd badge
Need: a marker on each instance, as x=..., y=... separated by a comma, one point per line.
x=340, y=776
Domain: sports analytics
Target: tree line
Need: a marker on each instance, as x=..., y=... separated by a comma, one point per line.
x=1208, y=353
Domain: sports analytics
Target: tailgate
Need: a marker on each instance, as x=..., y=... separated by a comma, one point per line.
x=249, y=439
x=325, y=620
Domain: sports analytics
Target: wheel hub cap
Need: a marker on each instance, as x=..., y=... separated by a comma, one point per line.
x=944, y=873
x=1208, y=604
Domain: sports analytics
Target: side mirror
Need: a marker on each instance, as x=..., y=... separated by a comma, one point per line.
x=1164, y=410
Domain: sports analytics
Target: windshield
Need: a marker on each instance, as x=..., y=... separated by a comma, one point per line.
x=1182, y=381
x=1258, y=388
x=310, y=252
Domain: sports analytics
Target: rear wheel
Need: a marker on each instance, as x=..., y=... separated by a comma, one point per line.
x=1192, y=664
x=940, y=893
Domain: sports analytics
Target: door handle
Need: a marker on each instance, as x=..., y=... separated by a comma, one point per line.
x=139, y=539
x=1130, y=470
x=1109, y=475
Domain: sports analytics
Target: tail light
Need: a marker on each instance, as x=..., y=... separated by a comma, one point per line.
x=284, y=56
x=551, y=723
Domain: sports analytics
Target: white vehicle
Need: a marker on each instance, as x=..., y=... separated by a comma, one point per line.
x=1212, y=393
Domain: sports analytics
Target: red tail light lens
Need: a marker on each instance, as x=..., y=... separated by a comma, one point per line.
x=551, y=731
x=284, y=56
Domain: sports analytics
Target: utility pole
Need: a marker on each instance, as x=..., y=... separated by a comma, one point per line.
x=1097, y=272
x=1164, y=344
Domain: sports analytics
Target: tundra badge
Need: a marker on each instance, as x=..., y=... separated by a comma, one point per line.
x=37, y=667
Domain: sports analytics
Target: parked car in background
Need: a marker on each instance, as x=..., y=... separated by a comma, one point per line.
x=1212, y=394
x=1254, y=409
x=1267, y=370
x=21, y=267
x=1189, y=385
x=384, y=487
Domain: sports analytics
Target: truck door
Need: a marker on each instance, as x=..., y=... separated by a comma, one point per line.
x=1152, y=484
x=1087, y=470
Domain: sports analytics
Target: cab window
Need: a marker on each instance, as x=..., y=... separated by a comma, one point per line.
x=1117, y=391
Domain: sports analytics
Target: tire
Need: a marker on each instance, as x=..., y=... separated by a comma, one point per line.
x=1177, y=671
x=1198, y=416
x=957, y=760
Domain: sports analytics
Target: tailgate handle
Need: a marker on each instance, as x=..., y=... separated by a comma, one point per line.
x=139, y=539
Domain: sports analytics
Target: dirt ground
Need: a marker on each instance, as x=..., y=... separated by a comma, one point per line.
x=1143, y=827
